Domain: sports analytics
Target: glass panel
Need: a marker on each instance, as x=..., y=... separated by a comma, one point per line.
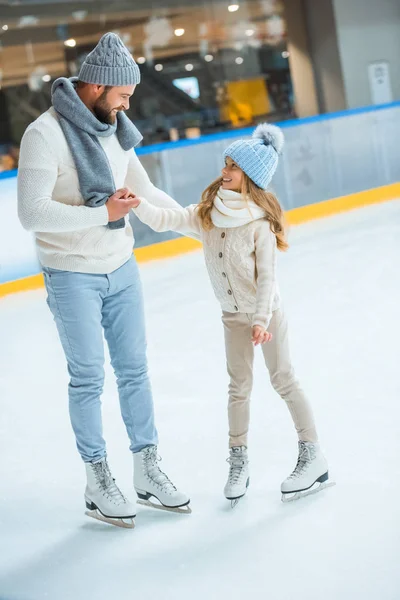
x=206, y=67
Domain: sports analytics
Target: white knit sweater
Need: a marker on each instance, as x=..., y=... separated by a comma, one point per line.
x=241, y=260
x=69, y=235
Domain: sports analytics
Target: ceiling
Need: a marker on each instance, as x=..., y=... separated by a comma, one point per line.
x=32, y=34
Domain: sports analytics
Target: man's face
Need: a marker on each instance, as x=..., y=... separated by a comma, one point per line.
x=111, y=101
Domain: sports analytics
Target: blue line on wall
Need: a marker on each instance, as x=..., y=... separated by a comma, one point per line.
x=8, y=174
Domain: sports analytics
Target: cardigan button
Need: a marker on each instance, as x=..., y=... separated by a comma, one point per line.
x=220, y=254
x=223, y=274
x=223, y=235
x=236, y=308
x=230, y=292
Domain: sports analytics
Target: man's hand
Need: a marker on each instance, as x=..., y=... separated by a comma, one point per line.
x=260, y=335
x=120, y=203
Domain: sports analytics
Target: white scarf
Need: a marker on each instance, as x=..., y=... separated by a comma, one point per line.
x=231, y=209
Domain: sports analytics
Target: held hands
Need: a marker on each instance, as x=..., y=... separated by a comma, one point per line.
x=260, y=335
x=120, y=203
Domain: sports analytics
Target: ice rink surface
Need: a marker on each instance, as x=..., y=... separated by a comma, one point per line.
x=340, y=283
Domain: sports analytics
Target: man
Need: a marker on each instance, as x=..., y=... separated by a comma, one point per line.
x=77, y=164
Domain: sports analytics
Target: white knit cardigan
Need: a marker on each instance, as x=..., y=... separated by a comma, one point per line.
x=240, y=259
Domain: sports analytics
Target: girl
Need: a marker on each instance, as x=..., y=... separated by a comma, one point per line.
x=241, y=226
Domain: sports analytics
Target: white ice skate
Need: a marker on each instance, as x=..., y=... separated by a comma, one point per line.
x=150, y=482
x=104, y=500
x=310, y=475
x=238, y=478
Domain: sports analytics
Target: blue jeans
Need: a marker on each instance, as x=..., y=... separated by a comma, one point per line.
x=83, y=305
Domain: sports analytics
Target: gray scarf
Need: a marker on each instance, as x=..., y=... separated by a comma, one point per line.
x=82, y=130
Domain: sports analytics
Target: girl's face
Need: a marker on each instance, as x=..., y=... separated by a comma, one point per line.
x=232, y=176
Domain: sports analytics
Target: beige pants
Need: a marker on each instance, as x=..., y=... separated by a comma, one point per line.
x=240, y=357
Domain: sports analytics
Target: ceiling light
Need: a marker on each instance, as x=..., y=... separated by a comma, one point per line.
x=208, y=58
x=249, y=32
x=71, y=43
x=46, y=78
x=158, y=67
x=233, y=7
x=285, y=54
x=189, y=67
x=5, y=28
x=239, y=60
x=179, y=32
x=141, y=60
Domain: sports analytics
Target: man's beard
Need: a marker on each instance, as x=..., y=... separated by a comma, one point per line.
x=104, y=112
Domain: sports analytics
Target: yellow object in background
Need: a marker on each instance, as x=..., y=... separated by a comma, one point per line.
x=243, y=100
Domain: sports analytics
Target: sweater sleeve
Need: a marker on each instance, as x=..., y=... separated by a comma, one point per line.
x=265, y=251
x=139, y=182
x=37, y=176
x=182, y=220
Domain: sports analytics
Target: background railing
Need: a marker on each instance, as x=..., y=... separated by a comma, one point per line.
x=324, y=157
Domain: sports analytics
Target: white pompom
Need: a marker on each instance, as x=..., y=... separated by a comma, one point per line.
x=271, y=135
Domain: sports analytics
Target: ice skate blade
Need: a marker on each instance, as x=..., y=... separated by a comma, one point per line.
x=236, y=501
x=292, y=497
x=128, y=523
x=182, y=510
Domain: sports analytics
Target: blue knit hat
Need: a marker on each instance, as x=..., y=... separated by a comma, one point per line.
x=258, y=157
x=110, y=63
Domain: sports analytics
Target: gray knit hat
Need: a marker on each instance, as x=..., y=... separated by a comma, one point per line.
x=258, y=157
x=110, y=63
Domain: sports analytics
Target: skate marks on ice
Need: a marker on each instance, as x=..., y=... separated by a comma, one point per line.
x=192, y=554
x=78, y=564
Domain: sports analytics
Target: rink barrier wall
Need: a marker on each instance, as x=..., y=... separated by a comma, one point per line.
x=331, y=163
x=182, y=245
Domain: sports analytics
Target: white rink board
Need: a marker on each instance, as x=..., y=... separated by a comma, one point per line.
x=17, y=246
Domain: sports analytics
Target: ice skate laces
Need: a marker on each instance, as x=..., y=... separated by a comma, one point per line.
x=306, y=456
x=107, y=483
x=237, y=461
x=153, y=471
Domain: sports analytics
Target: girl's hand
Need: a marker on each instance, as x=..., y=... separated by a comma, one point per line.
x=127, y=194
x=260, y=335
x=135, y=200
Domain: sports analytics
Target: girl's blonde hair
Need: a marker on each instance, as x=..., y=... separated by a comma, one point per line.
x=265, y=200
